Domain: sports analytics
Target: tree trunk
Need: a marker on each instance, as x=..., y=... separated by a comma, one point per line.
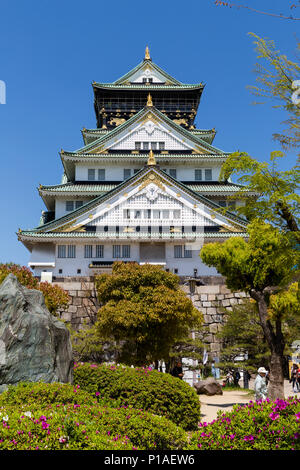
x=276, y=344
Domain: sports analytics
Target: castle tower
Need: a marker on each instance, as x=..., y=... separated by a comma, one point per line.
x=143, y=187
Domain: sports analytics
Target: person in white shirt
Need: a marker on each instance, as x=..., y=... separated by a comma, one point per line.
x=260, y=384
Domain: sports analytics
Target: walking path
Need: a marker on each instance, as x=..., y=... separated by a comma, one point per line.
x=211, y=405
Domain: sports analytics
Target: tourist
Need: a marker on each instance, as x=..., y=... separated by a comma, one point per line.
x=177, y=371
x=260, y=385
x=236, y=378
x=294, y=373
x=229, y=378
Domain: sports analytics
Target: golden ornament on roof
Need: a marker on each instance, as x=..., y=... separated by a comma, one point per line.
x=147, y=53
x=151, y=158
x=149, y=100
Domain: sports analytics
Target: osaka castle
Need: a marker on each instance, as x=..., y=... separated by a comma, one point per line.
x=144, y=187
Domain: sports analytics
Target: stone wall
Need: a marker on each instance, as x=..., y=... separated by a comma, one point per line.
x=83, y=305
x=211, y=299
x=214, y=301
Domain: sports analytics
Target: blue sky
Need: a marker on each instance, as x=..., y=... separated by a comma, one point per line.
x=51, y=51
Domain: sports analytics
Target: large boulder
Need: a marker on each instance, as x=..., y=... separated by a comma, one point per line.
x=208, y=386
x=34, y=345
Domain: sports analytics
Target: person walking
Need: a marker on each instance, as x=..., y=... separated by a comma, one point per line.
x=260, y=385
x=236, y=377
x=294, y=373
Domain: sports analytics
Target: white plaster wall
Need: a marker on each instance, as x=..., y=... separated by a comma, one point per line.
x=69, y=266
x=116, y=172
x=60, y=204
x=42, y=252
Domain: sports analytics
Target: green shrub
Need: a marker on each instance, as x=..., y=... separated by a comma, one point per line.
x=59, y=416
x=261, y=425
x=141, y=388
x=55, y=427
x=44, y=393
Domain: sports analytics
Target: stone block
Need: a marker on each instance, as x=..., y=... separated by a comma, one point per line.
x=211, y=296
x=72, y=309
x=203, y=297
x=72, y=293
x=206, y=304
x=213, y=328
x=208, y=319
x=83, y=293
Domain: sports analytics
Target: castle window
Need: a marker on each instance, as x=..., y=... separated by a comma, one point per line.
x=99, y=251
x=61, y=251
x=138, y=145
x=78, y=204
x=101, y=174
x=145, y=145
x=121, y=251
x=71, y=251
x=188, y=252
x=69, y=206
x=198, y=175
x=173, y=172
x=181, y=251
x=208, y=174
x=88, y=251
x=116, y=251
x=91, y=174
x=161, y=145
x=125, y=251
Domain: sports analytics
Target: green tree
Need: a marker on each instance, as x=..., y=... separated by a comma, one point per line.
x=277, y=199
x=263, y=266
x=276, y=76
x=242, y=335
x=144, y=309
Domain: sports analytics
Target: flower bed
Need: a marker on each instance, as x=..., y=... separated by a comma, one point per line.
x=142, y=388
x=61, y=420
x=261, y=425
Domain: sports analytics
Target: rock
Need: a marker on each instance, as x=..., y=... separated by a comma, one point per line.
x=209, y=387
x=34, y=345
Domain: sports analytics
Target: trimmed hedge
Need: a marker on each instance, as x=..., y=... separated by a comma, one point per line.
x=68, y=423
x=260, y=425
x=44, y=393
x=141, y=388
